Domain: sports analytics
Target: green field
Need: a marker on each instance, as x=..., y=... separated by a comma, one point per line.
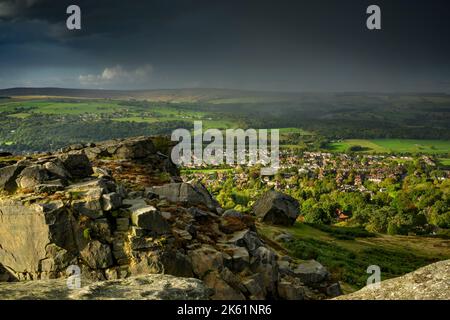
x=348, y=260
x=226, y=111
x=393, y=145
x=124, y=112
x=60, y=108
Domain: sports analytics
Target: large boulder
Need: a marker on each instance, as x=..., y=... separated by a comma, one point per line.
x=186, y=193
x=144, y=287
x=311, y=272
x=32, y=176
x=135, y=148
x=277, y=208
x=27, y=230
x=130, y=149
x=148, y=218
x=77, y=164
x=56, y=168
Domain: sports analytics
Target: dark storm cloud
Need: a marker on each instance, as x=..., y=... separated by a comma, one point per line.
x=268, y=45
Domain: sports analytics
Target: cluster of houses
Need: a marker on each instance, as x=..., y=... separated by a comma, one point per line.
x=350, y=171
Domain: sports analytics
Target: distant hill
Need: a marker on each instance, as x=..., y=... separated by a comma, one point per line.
x=214, y=96
x=169, y=95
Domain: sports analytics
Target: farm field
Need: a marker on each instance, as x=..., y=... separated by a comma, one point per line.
x=393, y=145
x=42, y=122
x=59, y=107
x=113, y=110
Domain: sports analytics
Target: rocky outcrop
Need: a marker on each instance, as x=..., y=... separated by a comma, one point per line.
x=276, y=208
x=431, y=282
x=117, y=210
x=185, y=193
x=48, y=173
x=145, y=287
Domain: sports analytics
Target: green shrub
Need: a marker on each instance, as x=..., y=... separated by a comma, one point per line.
x=392, y=229
x=87, y=234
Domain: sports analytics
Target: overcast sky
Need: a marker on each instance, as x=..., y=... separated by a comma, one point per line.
x=314, y=45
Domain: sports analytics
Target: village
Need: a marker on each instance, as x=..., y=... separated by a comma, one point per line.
x=350, y=171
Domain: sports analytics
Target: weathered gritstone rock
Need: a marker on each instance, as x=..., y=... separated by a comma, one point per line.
x=206, y=259
x=97, y=255
x=131, y=148
x=277, y=208
x=289, y=291
x=148, y=218
x=248, y=239
x=222, y=290
x=146, y=287
x=120, y=220
x=77, y=163
x=189, y=194
x=26, y=231
x=32, y=176
x=311, y=272
x=431, y=282
x=111, y=201
x=8, y=176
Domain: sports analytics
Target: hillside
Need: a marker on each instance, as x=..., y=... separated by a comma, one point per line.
x=161, y=95
x=348, y=252
x=45, y=119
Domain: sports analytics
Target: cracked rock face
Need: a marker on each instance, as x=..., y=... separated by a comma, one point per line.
x=26, y=231
x=431, y=282
x=145, y=287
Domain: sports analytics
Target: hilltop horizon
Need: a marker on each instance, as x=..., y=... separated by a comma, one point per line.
x=16, y=90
